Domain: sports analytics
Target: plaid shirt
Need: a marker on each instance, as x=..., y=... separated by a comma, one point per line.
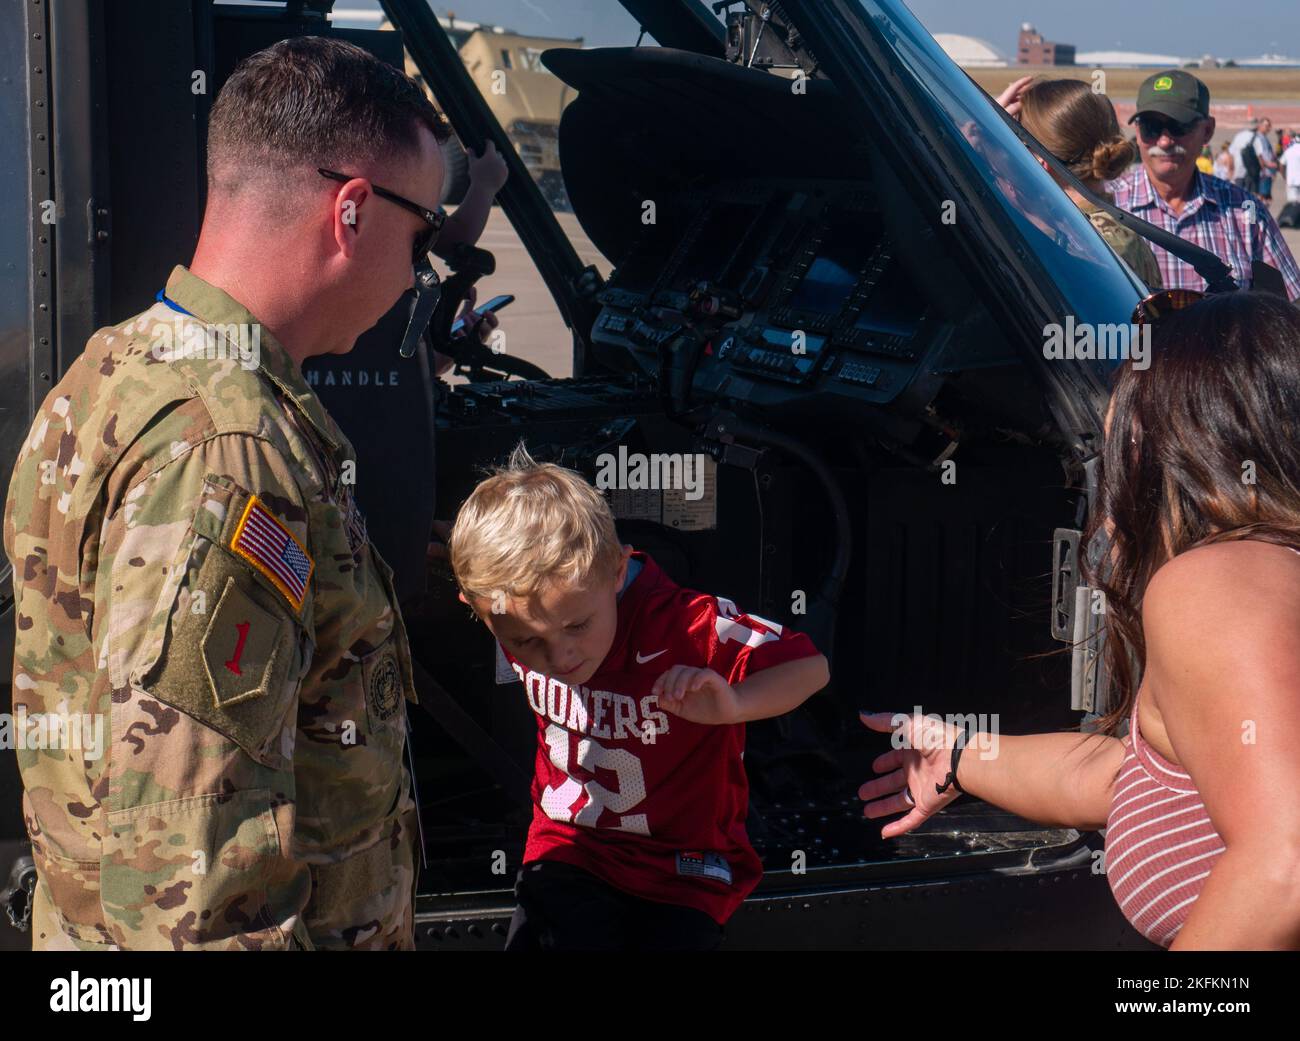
x=1215, y=218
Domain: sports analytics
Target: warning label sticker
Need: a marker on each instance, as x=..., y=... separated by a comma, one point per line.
x=680, y=491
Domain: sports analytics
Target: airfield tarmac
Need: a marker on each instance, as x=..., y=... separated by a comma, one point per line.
x=532, y=324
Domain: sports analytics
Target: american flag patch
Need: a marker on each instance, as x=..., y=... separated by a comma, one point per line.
x=272, y=548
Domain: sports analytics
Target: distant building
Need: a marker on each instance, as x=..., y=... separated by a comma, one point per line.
x=1032, y=49
x=970, y=52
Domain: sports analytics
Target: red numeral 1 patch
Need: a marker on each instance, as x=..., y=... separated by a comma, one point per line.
x=233, y=663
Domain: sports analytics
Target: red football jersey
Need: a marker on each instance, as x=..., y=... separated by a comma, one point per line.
x=649, y=802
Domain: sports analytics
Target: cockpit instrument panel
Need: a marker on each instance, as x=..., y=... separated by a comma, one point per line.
x=797, y=286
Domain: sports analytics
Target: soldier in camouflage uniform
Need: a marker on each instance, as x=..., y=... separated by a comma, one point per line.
x=190, y=567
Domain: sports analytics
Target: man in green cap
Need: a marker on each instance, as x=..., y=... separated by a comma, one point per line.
x=1166, y=189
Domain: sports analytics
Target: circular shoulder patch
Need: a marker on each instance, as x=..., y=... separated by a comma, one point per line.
x=385, y=692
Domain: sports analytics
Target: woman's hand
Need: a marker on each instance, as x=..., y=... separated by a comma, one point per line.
x=1010, y=99
x=913, y=769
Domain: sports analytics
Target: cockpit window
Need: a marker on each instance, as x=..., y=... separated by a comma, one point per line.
x=504, y=61
x=1074, y=255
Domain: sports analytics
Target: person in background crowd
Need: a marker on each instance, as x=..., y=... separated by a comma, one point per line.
x=1224, y=167
x=1267, y=160
x=1174, y=122
x=1291, y=162
x=1079, y=127
x=1205, y=161
x=1242, y=167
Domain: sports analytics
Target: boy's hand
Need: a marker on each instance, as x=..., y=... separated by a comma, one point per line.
x=700, y=695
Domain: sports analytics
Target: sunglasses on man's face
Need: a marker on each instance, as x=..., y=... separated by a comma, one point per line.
x=1152, y=127
x=435, y=220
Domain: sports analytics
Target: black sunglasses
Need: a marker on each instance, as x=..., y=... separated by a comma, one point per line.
x=424, y=242
x=1151, y=127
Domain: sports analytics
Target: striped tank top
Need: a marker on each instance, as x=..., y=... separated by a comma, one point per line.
x=1160, y=844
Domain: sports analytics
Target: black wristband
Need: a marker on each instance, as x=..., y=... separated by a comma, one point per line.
x=956, y=755
x=951, y=780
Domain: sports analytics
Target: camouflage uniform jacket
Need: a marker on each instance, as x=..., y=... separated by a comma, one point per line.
x=192, y=576
x=1131, y=248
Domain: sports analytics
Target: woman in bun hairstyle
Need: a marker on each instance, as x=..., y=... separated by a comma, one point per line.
x=1078, y=126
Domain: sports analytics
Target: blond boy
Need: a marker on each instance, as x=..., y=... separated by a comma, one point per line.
x=641, y=690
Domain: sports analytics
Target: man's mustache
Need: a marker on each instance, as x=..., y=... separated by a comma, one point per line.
x=1156, y=150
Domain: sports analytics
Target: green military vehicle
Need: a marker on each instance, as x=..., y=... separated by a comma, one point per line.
x=526, y=98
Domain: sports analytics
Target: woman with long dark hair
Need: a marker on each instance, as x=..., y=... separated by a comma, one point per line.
x=1199, y=506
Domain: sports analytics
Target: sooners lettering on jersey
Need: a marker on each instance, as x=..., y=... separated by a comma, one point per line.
x=649, y=802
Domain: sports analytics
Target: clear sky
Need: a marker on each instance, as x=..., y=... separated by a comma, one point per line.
x=1188, y=28
x=601, y=23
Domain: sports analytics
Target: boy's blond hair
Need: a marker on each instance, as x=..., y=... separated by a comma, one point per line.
x=529, y=525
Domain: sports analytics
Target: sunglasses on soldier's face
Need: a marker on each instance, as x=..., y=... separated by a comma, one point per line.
x=435, y=220
x=1152, y=127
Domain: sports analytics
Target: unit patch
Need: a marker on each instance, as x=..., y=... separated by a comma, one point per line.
x=384, y=692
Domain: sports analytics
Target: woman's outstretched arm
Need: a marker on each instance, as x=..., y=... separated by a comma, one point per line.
x=1053, y=779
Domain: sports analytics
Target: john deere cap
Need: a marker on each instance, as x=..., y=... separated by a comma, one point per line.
x=1173, y=93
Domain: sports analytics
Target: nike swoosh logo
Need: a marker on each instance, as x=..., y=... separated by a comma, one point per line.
x=641, y=661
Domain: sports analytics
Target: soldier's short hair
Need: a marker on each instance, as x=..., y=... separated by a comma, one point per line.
x=531, y=525
x=312, y=101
